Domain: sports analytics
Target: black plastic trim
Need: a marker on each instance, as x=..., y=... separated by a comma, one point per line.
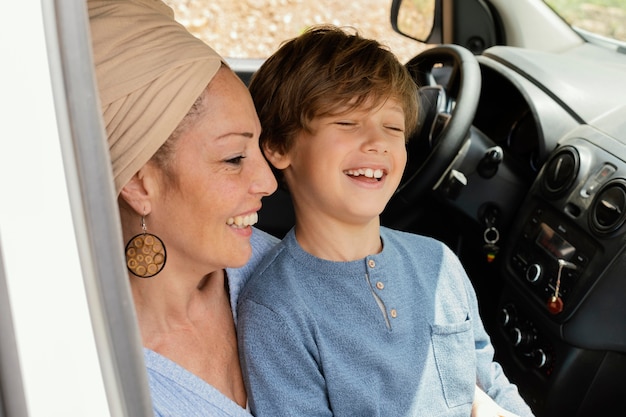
x=552, y=191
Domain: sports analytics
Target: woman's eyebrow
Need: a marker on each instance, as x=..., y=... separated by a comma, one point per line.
x=247, y=135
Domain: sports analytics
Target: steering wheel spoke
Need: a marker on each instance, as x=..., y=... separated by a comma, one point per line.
x=437, y=127
x=450, y=81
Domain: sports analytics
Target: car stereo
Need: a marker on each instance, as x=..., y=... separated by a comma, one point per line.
x=544, y=241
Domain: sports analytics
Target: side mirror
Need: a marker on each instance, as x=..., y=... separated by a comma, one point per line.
x=469, y=23
x=416, y=19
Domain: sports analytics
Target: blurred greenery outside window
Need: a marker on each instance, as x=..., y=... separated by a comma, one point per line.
x=602, y=17
x=256, y=28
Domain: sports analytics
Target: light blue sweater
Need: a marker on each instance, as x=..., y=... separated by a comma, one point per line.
x=395, y=334
x=176, y=391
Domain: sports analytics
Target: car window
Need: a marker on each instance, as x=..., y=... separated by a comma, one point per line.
x=599, y=17
x=255, y=29
x=69, y=343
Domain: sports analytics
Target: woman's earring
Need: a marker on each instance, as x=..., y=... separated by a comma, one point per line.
x=145, y=253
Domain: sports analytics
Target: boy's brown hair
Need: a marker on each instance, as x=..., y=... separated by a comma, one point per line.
x=321, y=72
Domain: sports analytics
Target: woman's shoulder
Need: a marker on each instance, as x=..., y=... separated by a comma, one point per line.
x=266, y=269
x=262, y=244
x=278, y=278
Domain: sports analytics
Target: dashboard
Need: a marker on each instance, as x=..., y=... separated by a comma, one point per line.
x=559, y=322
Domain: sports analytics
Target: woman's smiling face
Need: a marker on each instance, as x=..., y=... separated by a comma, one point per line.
x=212, y=189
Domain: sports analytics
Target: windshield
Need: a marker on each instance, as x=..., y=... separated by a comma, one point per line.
x=606, y=18
x=255, y=29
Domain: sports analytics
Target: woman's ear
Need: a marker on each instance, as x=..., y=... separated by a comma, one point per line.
x=139, y=191
x=278, y=159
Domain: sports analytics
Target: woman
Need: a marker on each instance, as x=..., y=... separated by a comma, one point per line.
x=183, y=136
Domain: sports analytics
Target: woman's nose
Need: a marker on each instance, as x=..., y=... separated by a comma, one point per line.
x=263, y=181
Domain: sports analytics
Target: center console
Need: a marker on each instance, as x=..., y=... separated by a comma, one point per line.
x=563, y=312
x=545, y=239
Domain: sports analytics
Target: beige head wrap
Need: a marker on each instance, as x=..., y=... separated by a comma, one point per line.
x=150, y=70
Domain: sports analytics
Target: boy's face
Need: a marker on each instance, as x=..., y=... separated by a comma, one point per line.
x=350, y=166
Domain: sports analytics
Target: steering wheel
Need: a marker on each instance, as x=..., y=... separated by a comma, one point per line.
x=449, y=81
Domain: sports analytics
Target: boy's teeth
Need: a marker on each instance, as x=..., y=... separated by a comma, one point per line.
x=243, y=221
x=366, y=172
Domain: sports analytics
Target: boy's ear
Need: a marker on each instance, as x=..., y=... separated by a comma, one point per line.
x=277, y=158
x=138, y=192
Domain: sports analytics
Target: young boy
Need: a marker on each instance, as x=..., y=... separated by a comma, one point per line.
x=345, y=317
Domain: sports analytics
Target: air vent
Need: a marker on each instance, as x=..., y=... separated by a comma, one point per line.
x=608, y=210
x=561, y=171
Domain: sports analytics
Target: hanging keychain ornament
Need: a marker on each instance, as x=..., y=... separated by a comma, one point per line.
x=555, y=303
x=491, y=237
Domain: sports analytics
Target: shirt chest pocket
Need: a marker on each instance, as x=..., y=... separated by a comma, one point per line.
x=453, y=347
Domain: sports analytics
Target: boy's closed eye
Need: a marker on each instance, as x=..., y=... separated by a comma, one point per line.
x=395, y=128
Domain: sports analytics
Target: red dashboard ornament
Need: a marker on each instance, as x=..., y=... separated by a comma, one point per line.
x=555, y=305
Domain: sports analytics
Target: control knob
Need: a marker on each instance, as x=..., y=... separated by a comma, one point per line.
x=533, y=273
x=538, y=358
x=520, y=337
x=507, y=315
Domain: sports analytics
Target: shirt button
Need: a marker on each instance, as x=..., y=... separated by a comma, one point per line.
x=394, y=313
x=380, y=285
x=371, y=263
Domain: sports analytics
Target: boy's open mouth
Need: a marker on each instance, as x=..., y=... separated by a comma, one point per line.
x=376, y=174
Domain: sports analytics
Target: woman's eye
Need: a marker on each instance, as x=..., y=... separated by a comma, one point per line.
x=236, y=160
x=395, y=128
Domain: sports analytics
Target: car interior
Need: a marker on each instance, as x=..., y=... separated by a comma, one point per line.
x=526, y=181
x=519, y=166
